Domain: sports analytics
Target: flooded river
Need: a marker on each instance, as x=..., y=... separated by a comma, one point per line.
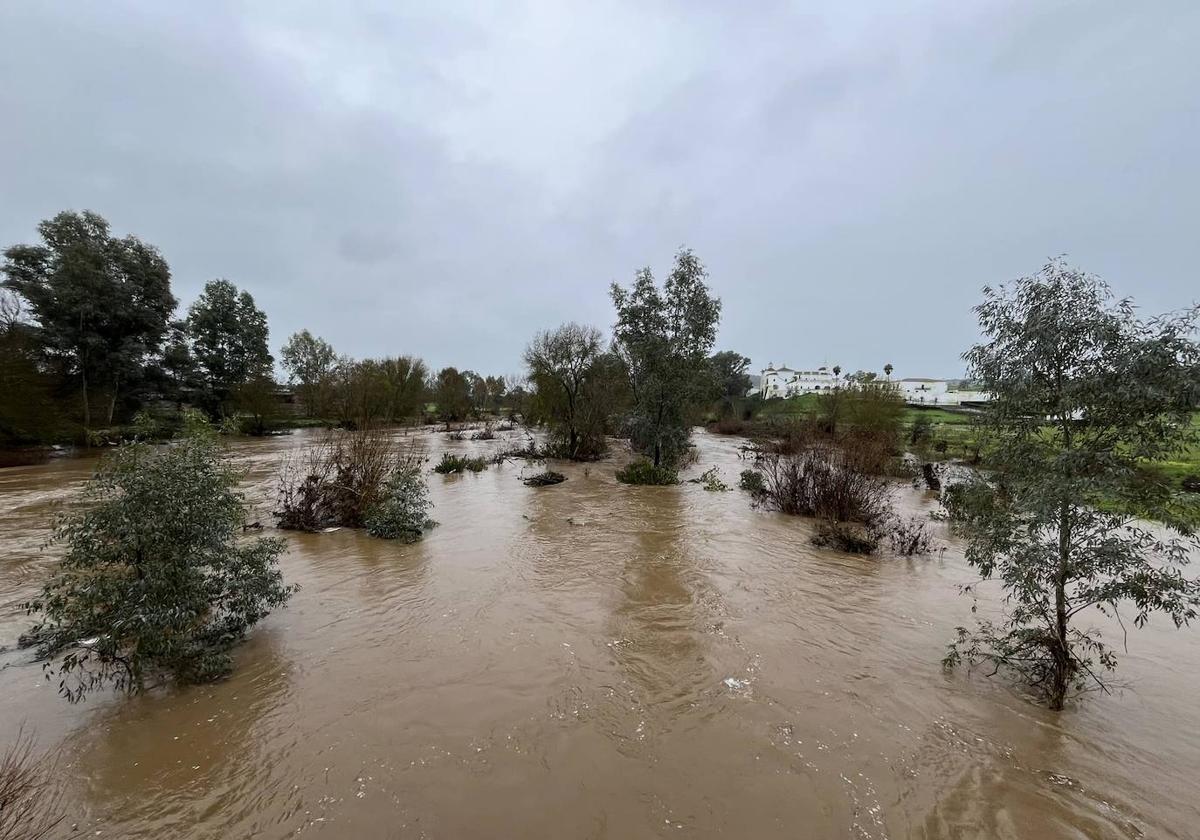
x=591, y=660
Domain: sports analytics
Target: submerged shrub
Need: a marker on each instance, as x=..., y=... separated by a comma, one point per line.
x=336, y=481
x=850, y=537
x=403, y=511
x=459, y=463
x=545, y=479
x=752, y=480
x=643, y=471
x=155, y=581
x=821, y=482
x=908, y=536
x=728, y=426
x=711, y=479
x=485, y=433
x=929, y=472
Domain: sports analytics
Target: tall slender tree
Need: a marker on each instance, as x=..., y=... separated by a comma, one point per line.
x=664, y=337
x=1085, y=393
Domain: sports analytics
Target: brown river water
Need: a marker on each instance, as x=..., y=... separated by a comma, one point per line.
x=591, y=660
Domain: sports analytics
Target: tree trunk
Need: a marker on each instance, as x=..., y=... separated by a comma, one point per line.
x=112, y=403
x=87, y=409
x=1062, y=647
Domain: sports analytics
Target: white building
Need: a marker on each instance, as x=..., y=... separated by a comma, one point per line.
x=785, y=382
x=917, y=389
x=920, y=391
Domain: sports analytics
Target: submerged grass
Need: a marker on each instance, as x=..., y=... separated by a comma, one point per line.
x=459, y=463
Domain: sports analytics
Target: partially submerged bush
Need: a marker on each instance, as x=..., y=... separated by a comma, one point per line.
x=821, y=482
x=403, y=511
x=30, y=792
x=336, y=481
x=459, y=463
x=643, y=471
x=905, y=536
x=752, y=480
x=711, y=479
x=545, y=479
x=485, y=433
x=155, y=581
x=728, y=426
x=929, y=472
x=908, y=536
x=850, y=537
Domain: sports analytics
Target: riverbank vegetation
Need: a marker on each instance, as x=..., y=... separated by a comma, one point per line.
x=156, y=582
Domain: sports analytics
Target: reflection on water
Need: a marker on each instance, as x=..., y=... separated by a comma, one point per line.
x=594, y=660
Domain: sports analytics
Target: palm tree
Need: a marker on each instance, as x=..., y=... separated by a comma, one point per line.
x=887, y=370
x=837, y=371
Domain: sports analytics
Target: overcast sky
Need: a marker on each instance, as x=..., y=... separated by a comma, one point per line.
x=445, y=179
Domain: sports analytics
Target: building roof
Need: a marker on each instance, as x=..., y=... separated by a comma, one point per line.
x=921, y=379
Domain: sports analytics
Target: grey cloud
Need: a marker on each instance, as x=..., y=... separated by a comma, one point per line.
x=448, y=182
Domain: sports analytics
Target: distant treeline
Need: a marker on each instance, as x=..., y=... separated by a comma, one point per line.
x=93, y=341
x=91, y=337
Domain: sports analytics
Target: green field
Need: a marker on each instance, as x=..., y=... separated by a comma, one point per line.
x=952, y=436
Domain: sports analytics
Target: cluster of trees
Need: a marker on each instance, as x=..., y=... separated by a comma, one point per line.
x=89, y=334
x=653, y=381
x=371, y=392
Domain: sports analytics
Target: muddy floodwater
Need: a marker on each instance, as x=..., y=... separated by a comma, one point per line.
x=591, y=660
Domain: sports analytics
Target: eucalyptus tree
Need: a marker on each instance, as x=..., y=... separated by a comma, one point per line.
x=1085, y=394
x=156, y=581
x=101, y=304
x=664, y=338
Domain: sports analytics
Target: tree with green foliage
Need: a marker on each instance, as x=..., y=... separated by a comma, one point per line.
x=405, y=377
x=28, y=411
x=452, y=394
x=496, y=390
x=731, y=380
x=1085, y=393
x=309, y=362
x=177, y=366
x=256, y=402
x=403, y=511
x=229, y=341
x=156, y=581
x=664, y=338
x=478, y=390
x=101, y=304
